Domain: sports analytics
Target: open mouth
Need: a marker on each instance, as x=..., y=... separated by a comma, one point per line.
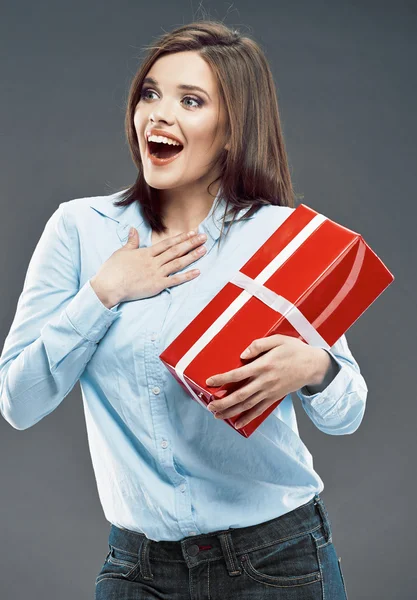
x=161, y=150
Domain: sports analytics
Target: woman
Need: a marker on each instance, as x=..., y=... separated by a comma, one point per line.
x=196, y=510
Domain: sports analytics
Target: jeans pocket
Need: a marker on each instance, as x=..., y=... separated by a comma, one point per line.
x=290, y=562
x=119, y=563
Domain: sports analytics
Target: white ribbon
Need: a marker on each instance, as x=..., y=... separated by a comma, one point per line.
x=254, y=287
x=281, y=305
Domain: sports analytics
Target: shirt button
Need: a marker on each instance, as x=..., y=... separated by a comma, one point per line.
x=182, y=487
x=320, y=400
x=164, y=444
x=193, y=533
x=156, y=390
x=153, y=337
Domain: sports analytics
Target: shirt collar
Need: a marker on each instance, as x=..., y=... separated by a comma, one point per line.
x=132, y=216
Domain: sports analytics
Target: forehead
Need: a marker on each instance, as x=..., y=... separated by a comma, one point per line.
x=183, y=67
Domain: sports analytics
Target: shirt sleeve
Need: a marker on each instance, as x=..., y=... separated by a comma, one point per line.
x=339, y=408
x=54, y=333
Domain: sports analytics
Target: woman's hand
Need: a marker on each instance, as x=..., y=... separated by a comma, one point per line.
x=133, y=273
x=287, y=365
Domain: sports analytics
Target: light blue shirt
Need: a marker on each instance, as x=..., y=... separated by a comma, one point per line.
x=164, y=465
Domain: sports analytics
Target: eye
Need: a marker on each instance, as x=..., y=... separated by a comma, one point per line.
x=199, y=102
x=145, y=90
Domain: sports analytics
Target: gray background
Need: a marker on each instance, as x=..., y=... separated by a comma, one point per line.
x=344, y=76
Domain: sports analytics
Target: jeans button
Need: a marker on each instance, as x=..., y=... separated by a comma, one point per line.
x=193, y=550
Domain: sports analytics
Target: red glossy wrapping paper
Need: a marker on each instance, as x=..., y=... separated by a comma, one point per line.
x=323, y=276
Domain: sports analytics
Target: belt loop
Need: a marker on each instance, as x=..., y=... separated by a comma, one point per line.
x=324, y=517
x=229, y=553
x=145, y=565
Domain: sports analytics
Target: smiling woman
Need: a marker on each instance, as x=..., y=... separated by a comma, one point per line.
x=195, y=123
x=203, y=85
x=202, y=123
x=196, y=510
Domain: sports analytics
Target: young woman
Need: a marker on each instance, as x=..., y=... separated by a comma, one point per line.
x=196, y=510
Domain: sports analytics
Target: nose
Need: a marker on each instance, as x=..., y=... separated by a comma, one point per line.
x=161, y=113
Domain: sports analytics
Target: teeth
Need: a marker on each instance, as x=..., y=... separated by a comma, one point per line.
x=162, y=139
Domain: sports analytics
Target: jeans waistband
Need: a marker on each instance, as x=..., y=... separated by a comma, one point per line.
x=228, y=543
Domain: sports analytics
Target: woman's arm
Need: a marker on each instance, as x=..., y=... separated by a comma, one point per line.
x=55, y=331
x=339, y=408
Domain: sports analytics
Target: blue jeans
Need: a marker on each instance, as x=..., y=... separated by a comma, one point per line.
x=291, y=557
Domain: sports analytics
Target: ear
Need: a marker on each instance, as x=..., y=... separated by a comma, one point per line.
x=227, y=146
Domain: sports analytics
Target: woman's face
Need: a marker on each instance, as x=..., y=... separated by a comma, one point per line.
x=190, y=115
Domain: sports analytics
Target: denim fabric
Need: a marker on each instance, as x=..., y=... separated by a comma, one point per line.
x=290, y=557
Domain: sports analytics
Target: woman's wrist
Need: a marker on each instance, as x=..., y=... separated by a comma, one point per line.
x=103, y=295
x=326, y=369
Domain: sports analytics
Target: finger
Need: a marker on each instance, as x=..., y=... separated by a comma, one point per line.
x=253, y=413
x=180, y=278
x=242, y=407
x=239, y=396
x=263, y=344
x=177, y=263
x=234, y=375
x=163, y=245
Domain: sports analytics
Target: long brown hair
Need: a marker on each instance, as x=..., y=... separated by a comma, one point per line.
x=255, y=170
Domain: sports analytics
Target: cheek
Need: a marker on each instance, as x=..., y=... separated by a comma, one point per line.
x=202, y=130
x=203, y=142
x=139, y=119
x=136, y=124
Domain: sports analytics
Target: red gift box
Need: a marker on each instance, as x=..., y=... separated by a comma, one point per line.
x=311, y=279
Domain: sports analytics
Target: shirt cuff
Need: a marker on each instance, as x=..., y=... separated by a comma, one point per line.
x=323, y=402
x=88, y=315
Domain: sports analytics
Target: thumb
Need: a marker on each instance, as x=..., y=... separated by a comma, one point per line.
x=133, y=237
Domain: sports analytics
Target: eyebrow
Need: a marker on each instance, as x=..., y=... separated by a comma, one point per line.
x=182, y=86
